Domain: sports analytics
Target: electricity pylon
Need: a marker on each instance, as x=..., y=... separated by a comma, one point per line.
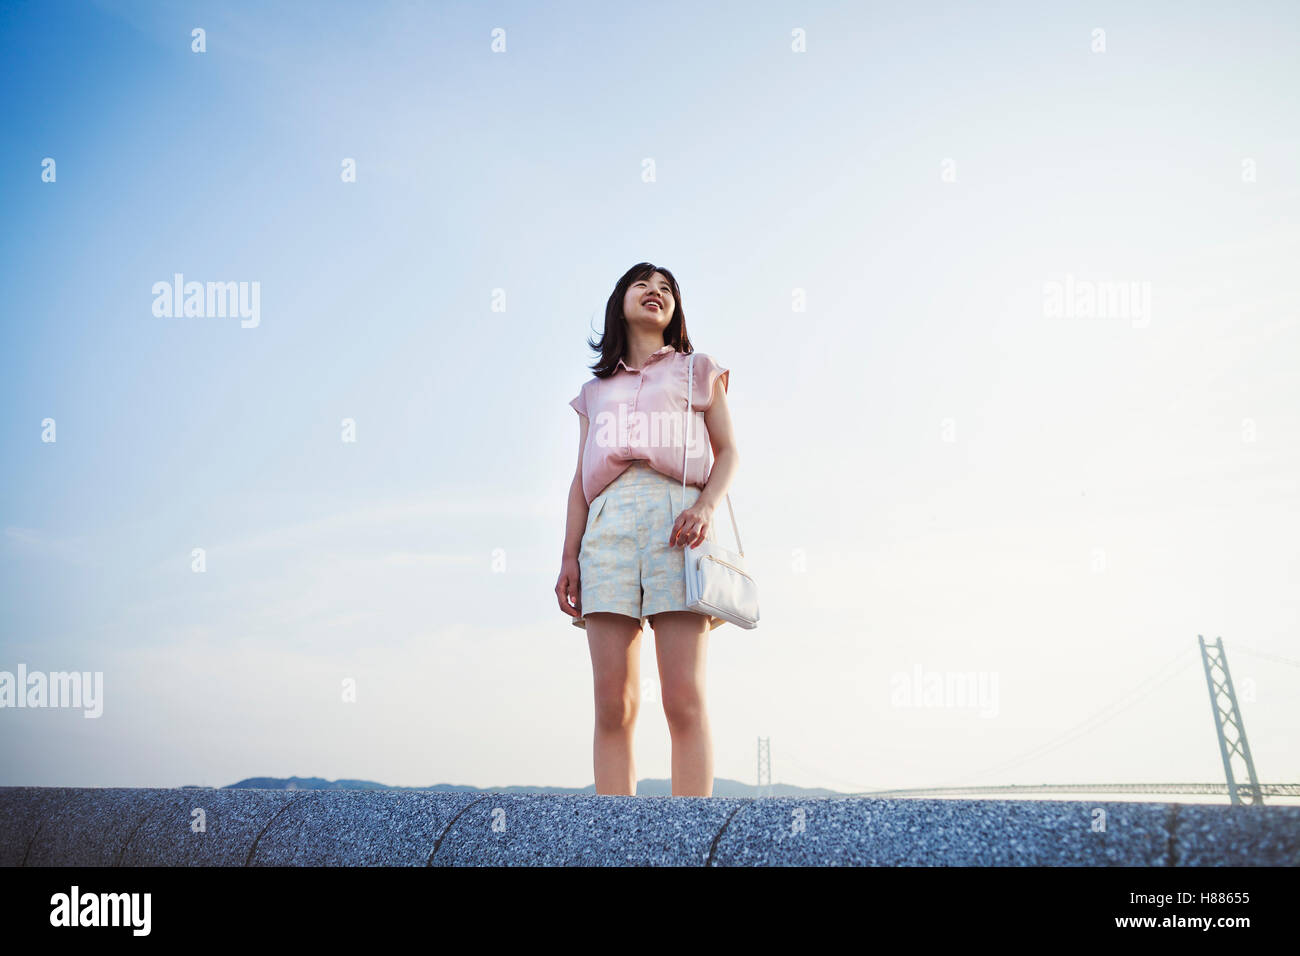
x=1227, y=717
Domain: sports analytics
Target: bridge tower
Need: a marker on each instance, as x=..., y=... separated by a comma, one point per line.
x=1228, y=724
x=764, y=788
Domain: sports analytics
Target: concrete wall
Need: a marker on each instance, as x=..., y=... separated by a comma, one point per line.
x=52, y=826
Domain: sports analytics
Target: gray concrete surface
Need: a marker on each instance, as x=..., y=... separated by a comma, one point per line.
x=53, y=826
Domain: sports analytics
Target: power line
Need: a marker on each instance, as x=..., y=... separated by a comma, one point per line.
x=1266, y=656
x=855, y=787
x=1111, y=710
x=1139, y=692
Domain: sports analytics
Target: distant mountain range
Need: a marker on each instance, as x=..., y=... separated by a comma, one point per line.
x=722, y=787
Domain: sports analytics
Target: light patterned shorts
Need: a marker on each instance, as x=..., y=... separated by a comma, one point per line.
x=625, y=562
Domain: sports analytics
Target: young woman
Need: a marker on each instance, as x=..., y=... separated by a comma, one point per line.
x=623, y=561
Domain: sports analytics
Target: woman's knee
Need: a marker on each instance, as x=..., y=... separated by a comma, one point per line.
x=683, y=706
x=613, y=639
x=617, y=704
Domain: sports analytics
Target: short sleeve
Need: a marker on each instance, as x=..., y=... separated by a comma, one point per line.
x=707, y=372
x=579, y=402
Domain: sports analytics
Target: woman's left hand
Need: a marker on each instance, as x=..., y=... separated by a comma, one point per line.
x=692, y=525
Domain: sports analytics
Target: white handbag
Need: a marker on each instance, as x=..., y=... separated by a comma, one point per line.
x=716, y=581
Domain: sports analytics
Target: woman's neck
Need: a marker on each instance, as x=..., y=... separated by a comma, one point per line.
x=641, y=347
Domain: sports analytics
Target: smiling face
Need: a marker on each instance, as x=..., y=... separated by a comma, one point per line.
x=649, y=303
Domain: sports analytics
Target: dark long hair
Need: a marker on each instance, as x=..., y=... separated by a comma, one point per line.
x=613, y=343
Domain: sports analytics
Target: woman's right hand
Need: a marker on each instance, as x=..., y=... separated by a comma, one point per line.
x=569, y=587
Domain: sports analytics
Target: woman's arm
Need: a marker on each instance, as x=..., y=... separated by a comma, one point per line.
x=577, y=507
x=568, y=588
x=577, y=513
x=726, y=459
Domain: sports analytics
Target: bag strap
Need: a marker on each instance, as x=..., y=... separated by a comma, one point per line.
x=690, y=388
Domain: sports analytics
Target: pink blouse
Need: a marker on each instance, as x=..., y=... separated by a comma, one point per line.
x=640, y=413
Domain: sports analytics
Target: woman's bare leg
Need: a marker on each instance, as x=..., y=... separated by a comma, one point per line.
x=681, y=644
x=615, y=642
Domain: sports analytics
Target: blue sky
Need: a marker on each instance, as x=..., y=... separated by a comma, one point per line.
x=936, y=473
